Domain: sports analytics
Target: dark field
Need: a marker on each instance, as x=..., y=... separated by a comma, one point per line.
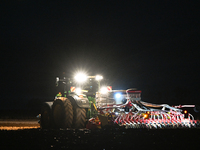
x=108, y=138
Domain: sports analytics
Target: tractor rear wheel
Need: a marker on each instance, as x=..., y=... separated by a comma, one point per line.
x=46, y=115
x=62, y=113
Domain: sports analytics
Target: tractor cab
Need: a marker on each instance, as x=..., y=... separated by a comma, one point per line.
x=81, y=84
x=88, y=88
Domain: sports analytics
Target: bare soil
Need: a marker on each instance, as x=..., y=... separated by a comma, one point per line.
x=100, y=139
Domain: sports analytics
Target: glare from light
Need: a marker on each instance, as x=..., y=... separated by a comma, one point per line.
x=118, y=95
x=116, y=113
x=145, y=116
x=98, y=77
x=103, y=90
x=80, y=77
x=78, y=90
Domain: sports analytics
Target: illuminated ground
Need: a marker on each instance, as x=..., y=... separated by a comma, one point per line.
x=18, y=124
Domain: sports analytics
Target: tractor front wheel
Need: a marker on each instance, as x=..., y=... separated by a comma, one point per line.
x=79, y=118
x=62, y=113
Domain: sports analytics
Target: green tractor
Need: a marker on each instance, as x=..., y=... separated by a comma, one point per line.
x=75, y=107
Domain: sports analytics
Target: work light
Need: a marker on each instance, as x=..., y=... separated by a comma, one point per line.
x=81, y=77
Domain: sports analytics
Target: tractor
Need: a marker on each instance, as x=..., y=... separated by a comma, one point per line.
x=73, y=109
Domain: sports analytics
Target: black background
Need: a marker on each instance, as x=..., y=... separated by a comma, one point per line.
x=150, y=45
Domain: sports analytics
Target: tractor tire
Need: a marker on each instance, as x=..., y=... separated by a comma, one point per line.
x=62, y=113
x=79, y=119
x=46, y=115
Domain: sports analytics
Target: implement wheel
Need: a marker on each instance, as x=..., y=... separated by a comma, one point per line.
x=62, y=113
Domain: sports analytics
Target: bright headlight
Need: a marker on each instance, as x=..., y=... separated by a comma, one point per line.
x=80, y=77
x=98, y=77
x=78, y=90
x=103, y=90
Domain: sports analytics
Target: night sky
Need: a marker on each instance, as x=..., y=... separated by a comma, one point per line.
x=151, y=45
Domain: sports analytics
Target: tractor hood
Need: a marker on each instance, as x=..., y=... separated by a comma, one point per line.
x=81, y=100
